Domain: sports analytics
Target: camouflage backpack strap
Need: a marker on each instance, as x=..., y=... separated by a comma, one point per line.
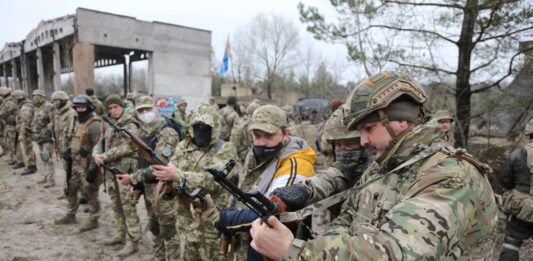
x=341, y=196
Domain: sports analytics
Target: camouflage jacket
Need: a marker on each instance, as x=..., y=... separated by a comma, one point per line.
x=24, y=117
x=65, y=122
x=241, y=137
x=162, y=138
x=422, y=202
x=41, y=123
x=228, y=118
x=98, y=105
x=120, y=151
x=8, y=111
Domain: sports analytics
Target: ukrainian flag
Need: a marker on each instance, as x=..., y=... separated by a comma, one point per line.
x=225, y=61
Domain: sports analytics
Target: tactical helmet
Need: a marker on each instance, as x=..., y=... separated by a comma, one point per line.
x=38, y=92
x=59, y=95
x=529, y=128
x=268, y=118
x=378, y=92
x=82, y=100
x=443, y=115
x=4, y=91
x=114, y=99
x=18, y=94
x=334, y=128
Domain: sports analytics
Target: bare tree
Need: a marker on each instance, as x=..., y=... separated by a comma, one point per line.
x=473, y=41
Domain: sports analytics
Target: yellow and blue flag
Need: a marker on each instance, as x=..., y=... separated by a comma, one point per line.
x=225, y=60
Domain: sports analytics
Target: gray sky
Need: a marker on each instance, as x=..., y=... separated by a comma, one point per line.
x=221, y=17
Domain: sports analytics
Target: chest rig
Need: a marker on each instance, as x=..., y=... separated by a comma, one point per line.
x=80, y=145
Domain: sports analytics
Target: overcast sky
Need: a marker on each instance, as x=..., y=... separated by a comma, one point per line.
x=221, y=17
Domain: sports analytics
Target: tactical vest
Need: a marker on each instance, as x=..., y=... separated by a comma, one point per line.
x=80, y=145
x=529, y=152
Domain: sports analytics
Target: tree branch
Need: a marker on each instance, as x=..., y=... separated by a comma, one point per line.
x=433, y=69
x=488, y=4
x=491, y=18
x=423, y=4
x=412, y=30
x=506, y=34
x=489, y=62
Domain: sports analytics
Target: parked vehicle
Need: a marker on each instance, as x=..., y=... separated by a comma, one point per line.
x=314, y=110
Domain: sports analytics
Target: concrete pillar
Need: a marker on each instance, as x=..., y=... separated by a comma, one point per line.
x=57, y=67
x=4, y=73
x=40, y=70
x=130, y=76
x=125, y=77
x=14, y=74
x=150, y=73
x=83, y=65
x=24, y=71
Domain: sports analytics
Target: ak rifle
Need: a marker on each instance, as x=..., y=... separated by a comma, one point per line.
x=138, y=189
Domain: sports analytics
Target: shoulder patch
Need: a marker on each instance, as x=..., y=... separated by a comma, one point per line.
x=168, y=149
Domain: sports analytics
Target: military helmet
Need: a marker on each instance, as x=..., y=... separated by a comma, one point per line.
x=334, y=128
x=59, y=95
x=268, y=118
x=378, y=92
x=443, y=115
x=38, y=92
x=18, y=94
x=529, y=128
x=82, y=100
x=4, y=90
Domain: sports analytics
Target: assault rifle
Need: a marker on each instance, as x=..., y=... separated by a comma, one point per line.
x=138, y=189
x=194, y=198
x=68, y=173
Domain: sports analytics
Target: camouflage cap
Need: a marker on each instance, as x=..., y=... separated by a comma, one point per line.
x=443, y=115
x=144, y=102
x=38, y=92
x=268, y=118
x=529, y=128
x=18, y=94
x=113, y=99
x=59, y=95
x=4, y=90
x=378, y=92
x=334, y=128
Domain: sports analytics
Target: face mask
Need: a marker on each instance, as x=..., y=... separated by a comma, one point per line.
x=61, y=104
x=147, y=117
x=38, y=100
x=265, y=153
x=202, y=135
x=82, y=115
x=350, y=157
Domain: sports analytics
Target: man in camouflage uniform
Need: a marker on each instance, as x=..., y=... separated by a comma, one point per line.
x=97, y=103
x=42, y=135
x=120, y=152
x=65, y=121
x=420, y=200
x=23, y=119
x=445, y=120
x=84, y=171
x=229, y=117
x=517, y=204
x=180, y=115
x=8, y=111
x=201, y=149
x=162, y=138
x=129, y=101
x=517, y=174
x=240, y=136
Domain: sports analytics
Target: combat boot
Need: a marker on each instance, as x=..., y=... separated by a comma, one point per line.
x=30, y=170
x=18, y=165
x=68, y=219
x=92, y=224
x=128, y=249
x=117, y=240
x=49, y=184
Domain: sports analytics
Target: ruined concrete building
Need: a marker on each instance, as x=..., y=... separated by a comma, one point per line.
x=178, y=57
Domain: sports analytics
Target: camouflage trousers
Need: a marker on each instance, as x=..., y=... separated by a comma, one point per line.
x=9, y=140
x=132, y=230
x=75, y=183
x=46, y=154
x=198, y=251
x=162, y=224
x=25, y=148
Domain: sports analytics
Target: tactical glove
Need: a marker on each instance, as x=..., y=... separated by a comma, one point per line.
x=294, y=196
x=91, y=176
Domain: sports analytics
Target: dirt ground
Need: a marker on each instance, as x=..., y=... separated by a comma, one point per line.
x=27, y=230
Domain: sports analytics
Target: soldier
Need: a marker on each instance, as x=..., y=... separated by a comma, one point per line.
x=84, y=171
x=65, y=121
x=445, y=120
x=129, y=102
x=120, y=152
x=97, y=103
x=229, y=116
x=162, y=138
x=275, y=160
x=422, y=199
x=180, y=115
x=42, y=135
x=516, y=174
x=8, y=111
x=23, y=119
x=201, y=149
x=240, y=136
